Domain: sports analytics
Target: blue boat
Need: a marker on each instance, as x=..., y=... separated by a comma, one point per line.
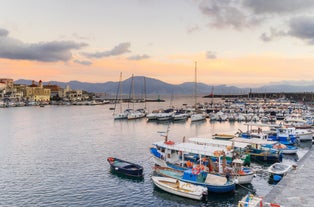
x=214, y=183
x=261, y=150
x=285, y=136
x=125, y=168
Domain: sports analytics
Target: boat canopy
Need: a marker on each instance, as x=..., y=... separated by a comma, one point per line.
x=254, y=141
x=218, y=143
x=191, y=148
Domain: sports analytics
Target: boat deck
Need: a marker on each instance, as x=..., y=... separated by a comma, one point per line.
x=297, y=187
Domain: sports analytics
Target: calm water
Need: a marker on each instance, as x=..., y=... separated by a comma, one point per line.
x=56, y=156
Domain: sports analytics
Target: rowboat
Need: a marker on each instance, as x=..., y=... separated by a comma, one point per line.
x=180, y=188
x=124, y=167
x=223, y=136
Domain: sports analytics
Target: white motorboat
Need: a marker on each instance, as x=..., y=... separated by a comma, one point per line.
x=279, y=168
x=180, y=188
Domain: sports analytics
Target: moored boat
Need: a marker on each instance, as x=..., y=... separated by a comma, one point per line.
x=259, y=152
x=214, y=183
x=216, y=156
x=180, y=188
x=241, y=174
x=124, y=167
x=223, y=136
x=286, y=149
x=250, y=200
x=279, y=169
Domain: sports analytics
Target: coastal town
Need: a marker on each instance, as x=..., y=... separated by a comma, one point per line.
x=37, y=93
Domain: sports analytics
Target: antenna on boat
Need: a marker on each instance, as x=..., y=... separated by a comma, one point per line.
x=165, y=134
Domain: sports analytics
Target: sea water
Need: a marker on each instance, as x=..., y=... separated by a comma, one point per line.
x=56, y=156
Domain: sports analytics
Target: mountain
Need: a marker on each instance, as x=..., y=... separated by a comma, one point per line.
x=147, y=85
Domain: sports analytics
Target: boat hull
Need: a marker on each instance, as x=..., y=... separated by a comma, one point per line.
x=244, y=179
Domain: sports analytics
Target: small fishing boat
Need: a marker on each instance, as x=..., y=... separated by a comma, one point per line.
x=286, y=149
x=124, y=167
x=180, y=188
x=223, y=136
x=250, y=200
x=279, y=169
x=214, y=183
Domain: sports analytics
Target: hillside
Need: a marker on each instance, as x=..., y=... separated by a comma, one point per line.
x=147, y=85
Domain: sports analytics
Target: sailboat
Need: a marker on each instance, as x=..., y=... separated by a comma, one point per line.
x=138, y=113
x=197, y=115
x=121, y=114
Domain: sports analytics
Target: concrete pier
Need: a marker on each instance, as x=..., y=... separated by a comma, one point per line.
x=296, y=189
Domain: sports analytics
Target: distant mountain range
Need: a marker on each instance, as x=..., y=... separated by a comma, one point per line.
x=145, y=85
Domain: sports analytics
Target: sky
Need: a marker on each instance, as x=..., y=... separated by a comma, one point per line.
x=233, y=42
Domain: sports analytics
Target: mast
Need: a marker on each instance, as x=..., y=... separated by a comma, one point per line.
x=118, y=95
x=145, y=92
x=131, y=93
x=195, y=86
x=120, y=92
x=212, y=94
x=133, y=90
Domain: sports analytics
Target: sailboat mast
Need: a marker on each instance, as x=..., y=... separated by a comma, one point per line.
x=118, y=98
x=195, y=82
x=145, y=91
x=133, y=90
x=120, y=92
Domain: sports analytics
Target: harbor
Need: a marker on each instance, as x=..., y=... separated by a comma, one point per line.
x=157, y=103
x=65, y=150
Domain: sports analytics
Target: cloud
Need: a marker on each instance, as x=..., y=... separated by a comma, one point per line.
x=210, y=55
x=224, y=13
x=83, y=62
x=240, y=14
x=3, y=32
x=117, y=50
x=302, y=28
x=138, y=57
x=192, y=28
x=273, y=33
x=278, y=6
x=43, y=51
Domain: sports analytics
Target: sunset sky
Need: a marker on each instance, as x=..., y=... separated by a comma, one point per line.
x=235, y=42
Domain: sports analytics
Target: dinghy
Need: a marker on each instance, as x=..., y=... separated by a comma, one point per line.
x=180, y=188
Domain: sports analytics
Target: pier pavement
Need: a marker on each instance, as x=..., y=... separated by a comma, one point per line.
x=296, y=189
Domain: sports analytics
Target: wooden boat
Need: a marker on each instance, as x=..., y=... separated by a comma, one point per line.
x=223, y=136
x=214, y=183
x=180, y=188
x=124, y=167
x=279, y=169
x=250, y=201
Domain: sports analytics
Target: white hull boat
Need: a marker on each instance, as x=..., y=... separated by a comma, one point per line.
x=180, y=188
x=279, y=169
x=304, y=135
x=198, y=117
